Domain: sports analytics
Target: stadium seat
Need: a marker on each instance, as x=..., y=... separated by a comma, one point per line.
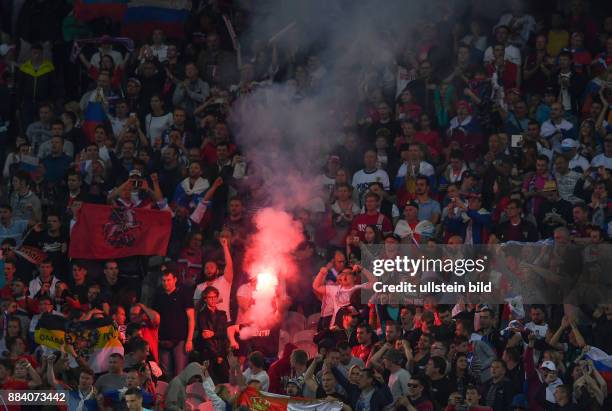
x=294, y=322
x=313, y=321
x=304, y=335
x=308, y=346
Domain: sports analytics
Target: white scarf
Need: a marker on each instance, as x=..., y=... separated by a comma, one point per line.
x=199, y=186
x=83, y=398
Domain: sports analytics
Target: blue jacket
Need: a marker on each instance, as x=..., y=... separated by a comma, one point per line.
x=481, y=224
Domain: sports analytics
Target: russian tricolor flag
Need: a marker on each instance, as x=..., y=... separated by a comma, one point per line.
x=143, y=16
x=94, y=116
x=86, y=10
x=602, y=363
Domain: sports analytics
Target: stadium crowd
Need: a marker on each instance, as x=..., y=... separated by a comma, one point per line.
x=485, y=129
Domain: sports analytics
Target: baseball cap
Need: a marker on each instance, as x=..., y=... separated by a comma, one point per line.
x=568, y=143
x=135, y=173
x=549, y=365
x=412, y=203
x=106, y=39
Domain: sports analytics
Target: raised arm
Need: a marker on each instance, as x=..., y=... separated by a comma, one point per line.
x=151, y=313
x=229, y=263
x=318, y=285
x=309, y=378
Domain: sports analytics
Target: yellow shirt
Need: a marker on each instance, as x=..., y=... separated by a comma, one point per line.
x=557, y=40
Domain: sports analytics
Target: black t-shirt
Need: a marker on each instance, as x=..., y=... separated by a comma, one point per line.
x=172, y=316
x=440, y=391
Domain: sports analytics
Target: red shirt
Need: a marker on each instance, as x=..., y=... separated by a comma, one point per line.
x=362, y=352
x=13, y=385
x=363, y=220
x=431, y=139
x=150, y=333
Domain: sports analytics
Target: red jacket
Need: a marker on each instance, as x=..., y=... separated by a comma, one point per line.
x=280, y=370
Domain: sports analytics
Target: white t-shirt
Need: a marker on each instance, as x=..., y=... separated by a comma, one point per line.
x=362, y=180
x=398, y=383
x=224, y=287
x=155, y=126
x=341, y=297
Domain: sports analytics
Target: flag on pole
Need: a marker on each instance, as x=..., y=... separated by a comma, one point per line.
x=103, y=232
x=264, y=401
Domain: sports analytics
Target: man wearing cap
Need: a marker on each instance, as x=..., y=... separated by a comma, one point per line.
x=471, y=221
x=554, y=211
x=542, y=381
x=569, y=148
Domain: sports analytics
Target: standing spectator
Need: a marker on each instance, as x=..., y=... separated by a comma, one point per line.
x=39, y=131
x=25, y=203
x=363, y=178
x=176, y=324
x=498, y=392
x=115, y=378
x=35, y=83
x=212, y=342
x=150, y=321
x=192, y=91
x=511, y=52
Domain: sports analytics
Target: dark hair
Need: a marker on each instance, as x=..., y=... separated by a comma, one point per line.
x=439, y=363
x=343, y=345
x=57, y=122
x=6, y=207
x=373, y=195
x=23, y=176
x=257, y=359
x=300, y=356
x=134, y=391
x=210, y=289
x=543, y=158
x=168, y=272
x=88, y=371
x=501, y=362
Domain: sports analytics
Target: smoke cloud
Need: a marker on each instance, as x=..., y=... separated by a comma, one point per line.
x=286, y=134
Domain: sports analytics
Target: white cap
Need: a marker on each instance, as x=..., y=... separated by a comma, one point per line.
x=549, y=365
x=569, y=143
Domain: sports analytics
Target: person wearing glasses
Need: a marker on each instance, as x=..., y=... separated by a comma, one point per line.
x=416, y=398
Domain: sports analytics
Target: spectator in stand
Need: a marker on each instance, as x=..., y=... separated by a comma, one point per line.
x=176, y=324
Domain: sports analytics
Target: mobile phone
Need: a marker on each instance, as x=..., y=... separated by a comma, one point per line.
x=136, y=183
x=516, y=140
